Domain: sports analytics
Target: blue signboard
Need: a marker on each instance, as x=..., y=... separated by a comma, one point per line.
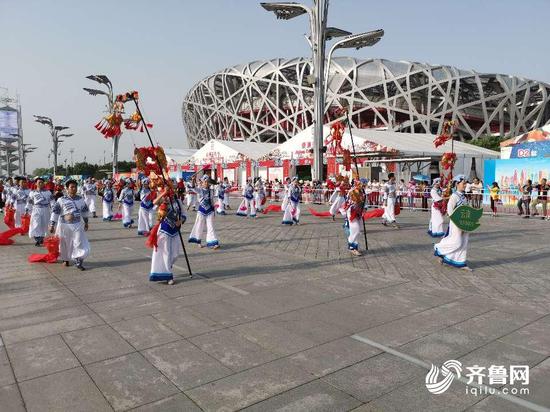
x=531, y=150
x=8, y=123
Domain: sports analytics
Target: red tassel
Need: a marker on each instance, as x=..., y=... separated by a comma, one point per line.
x=272, y=208
x=152, y=240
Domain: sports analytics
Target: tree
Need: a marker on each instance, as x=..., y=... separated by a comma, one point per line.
x=41, y=171
x=488, y=142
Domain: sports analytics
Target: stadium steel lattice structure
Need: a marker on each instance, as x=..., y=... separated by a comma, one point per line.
x=270, y=101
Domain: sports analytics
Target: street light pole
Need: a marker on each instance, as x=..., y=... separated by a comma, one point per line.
x=102, y=79
x=54, y=132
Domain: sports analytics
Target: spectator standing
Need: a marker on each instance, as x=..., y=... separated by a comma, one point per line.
x=542, y=198
x=525, y=200
x=477, y=190
x=494, y=191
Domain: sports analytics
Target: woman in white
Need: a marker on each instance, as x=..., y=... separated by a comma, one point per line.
x=222, y=194
x=68, y=213
x=248, y=206
x=108, y=198
x=389, y=195
x=20, y=194
x=338, y=197
x=39, y=205
x=205, y=216
x=168, y=244
x=292, y=210
x=453, y=248
x=127, y=199
x=89, y=191
x=259, y=195
x=146, y=214
x=191, y=195
x=435, y=228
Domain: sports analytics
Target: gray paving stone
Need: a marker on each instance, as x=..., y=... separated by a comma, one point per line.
x=535, y=336
x=186, y=322
x=273, y=337
x=250, y=386
x=449, y=343
x=10, y=399
x=6, y=372
x=314, y=396
x=145, y=332
x=330, y=357
x=50, y=328
x=130, y=381
x=176, y=403
x=500, y=353
x=373, y=377
x=40, y=357
x=186, y=365
x=232, y=349
x=70, y=390
x=96, y=343
x=415, y=397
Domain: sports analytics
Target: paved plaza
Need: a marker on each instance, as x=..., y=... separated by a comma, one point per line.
x=280, y=318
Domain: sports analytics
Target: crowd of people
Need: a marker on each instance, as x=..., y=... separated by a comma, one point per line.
x=64, y=209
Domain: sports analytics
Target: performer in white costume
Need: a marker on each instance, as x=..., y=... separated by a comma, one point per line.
x=108, y=199
x=71, y=212
x=167, y=245
x=191, y=195
x=205, y=216
x=259, y=195
x=354, y=208
x=38, y=204
x=89, y=191
x=222, y=195
x=338, y=198
x=286, y=186
x=248, y=205
x=292, y=210
x=126, y=197
x=6, y=194
x=389, y=196
x=453, y=248
x=19, y=197
x=435, y=229
x=146, y=214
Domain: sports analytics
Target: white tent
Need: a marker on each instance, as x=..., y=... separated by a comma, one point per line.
x=178, y=156
x=371, y=140
x=226, y=151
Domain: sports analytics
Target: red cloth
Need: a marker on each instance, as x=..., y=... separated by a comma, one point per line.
x=25, y=223
x=318, y=214
x=272, y=208
x=52, y=245
x=9, y=217
x=152, y=240
x=5, y=237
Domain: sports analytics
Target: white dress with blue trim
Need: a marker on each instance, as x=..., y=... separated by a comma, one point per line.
x=453, y=248
x=435, y=228
x=205, y=217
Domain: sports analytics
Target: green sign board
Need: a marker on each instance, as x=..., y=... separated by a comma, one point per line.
x=466, y=218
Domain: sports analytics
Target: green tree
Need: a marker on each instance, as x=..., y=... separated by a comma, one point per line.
x=488, y=142
x=41, y=171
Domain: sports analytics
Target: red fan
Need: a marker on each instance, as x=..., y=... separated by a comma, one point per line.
x=272, y=208
x=52, y=245
x=371, y=214
x=117, y=216
x=318, y=214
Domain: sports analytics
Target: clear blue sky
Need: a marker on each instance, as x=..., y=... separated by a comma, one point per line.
x=163, y=48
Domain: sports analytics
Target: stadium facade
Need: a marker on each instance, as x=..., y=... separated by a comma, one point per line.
x=271, y=101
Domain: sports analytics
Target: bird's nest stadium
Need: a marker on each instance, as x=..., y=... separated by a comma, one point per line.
x=271, y=101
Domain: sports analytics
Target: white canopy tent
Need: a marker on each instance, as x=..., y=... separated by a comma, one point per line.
x=226, y=151
x=380, y=144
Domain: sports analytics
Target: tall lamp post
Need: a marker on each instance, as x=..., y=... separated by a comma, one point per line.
x=319, y=34
x=54, y=132
x=26, y=150
x=102, y=79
